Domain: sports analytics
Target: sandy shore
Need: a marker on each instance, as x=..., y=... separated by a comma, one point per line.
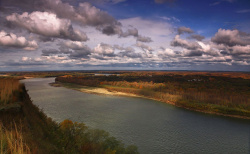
x=27, y=77
x=105, y=92
x=92, y=90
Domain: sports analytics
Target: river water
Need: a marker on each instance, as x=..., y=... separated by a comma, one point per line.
x=154, y=127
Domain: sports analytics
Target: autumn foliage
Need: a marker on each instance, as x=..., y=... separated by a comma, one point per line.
x=227, y=93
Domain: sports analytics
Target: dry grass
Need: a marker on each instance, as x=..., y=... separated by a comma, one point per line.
x=11, y=141
x=8, y=91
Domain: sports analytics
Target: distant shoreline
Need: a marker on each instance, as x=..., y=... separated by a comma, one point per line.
x=104, y=91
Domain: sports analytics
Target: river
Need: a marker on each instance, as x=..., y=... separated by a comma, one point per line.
x=154, y=127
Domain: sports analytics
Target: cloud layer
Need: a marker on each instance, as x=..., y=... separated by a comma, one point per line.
x=69, y=33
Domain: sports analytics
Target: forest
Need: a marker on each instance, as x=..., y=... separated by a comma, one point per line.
x=24, y=128
x=224, y=93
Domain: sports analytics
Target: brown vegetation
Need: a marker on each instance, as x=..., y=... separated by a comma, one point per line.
x=226, y=93
x=9, y=90
x=29, y=130
x=11, y=141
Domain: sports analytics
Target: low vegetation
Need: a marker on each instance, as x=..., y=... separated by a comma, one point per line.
x=11, y=141
x=222, y=93
x=9, y=91
x=29, y=130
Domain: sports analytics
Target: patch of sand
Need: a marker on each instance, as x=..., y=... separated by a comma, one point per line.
x=27, y=77
x=105, y=91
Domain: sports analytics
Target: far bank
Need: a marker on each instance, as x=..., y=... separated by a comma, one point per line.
x=219, y=95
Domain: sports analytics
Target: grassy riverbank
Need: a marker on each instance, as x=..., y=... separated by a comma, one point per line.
x=222, y=95
x=26, y=129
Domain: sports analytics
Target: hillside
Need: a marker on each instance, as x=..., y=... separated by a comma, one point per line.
x=26, y=129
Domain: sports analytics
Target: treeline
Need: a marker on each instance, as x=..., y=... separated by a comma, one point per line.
x=29, y=130
x=228, y=95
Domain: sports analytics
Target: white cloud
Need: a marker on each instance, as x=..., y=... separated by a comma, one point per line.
x=75, y=45
x=166, y=53
x=11, y=40
x=183, y=29
x=47, y=24
x=104, y=49
x=178, y=42
x=231, y=37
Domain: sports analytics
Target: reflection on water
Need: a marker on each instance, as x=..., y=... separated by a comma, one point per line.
x=153, y=126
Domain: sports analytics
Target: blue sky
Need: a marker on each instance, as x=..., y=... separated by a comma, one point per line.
x=202, y=15
x=125, y=35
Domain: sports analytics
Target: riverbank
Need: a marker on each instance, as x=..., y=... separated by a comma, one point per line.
x=165, y=98
x=25, y=129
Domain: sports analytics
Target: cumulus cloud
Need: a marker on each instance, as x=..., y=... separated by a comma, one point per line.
x=231, y=38
x=75, y=50
x=182, y=30
x=197, y=37
x=178, y=42
x=208, y=50
x=233, y=43
x=47, y=24
x=144, y=39
x=82, y=54
x=144, y=46
x=127, y=52
x=166, y=52
x=234, y=50
x=193, y=53
x=170, y=53
x=86, y=14
x=70, y=49
x=130, y=32
x=110, y=30
x=75, y=45
x=104, y=49
x=197, y=48
x=49, y=52
x=240, y=50
x=90, y=15
x=11, y=40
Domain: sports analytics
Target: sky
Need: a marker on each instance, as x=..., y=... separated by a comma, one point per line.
x=201, y=35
